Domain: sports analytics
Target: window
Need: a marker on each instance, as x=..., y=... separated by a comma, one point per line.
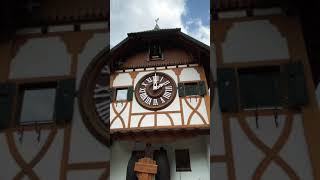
x=122, y=94
x=155, y=52
x=45, y=102
x=197, y=88
x=260, y=87
x=270, y=86
x=182, y=160
x=37, y=106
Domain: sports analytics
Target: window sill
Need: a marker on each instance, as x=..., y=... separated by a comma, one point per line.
x=34, y=126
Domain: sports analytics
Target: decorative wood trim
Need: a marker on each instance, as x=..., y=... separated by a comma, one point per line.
x=228, y=147
x=106, y=173
x=194, y=111
x=140, y=121
x=17, y=44
x=40, y=154
x=178, y=73
x=275, y=62
x=271, y=154
x=6, y=58
x=27, y=168
x=170, y=118
x=65, y=152
x=161, y=136
x=40, y=79
x=159, y=128
x=118, y=114
x=206, y=97
x=155, y=112
x=155, y=120
x=218, y=158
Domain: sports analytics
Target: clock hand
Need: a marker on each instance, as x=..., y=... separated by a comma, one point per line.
x=155, y=82
x=159, y=86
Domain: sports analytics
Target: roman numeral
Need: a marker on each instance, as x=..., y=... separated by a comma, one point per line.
x=103, y=110
x=167, y=95
x=142, y=90
x=149, y=80
x=166, y=83
x=148, y=100
x=101, y=91
x=162, y=100
x=144, y=84
x=155, y=102
x=168, y=88
x=143, y=96
x=105, y=70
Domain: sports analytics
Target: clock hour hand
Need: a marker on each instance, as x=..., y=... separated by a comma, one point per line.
x=160, y=85
x=155, y=84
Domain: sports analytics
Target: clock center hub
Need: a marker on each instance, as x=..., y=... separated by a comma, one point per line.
x=154, y=93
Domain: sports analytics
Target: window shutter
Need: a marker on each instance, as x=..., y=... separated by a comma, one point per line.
x=227, y=90
x=130, y=93
x=65, y=94
x=7, y=92
x=112, y=94
x=297, y=91
x=181, y=89
x=202, y=88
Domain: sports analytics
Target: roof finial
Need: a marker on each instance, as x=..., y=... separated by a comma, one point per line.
x=157, y=26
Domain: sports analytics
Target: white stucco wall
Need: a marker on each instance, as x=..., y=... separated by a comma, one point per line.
x=254, y=41
x=41, y=57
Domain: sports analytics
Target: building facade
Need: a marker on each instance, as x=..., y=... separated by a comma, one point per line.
x=43, y=58
x=266, y=125
x=160, y=97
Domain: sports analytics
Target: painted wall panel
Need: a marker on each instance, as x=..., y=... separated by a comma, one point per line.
x=254, y=41
x=41, y=57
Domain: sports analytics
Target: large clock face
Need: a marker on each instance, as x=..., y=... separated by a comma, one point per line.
x=95, y=98
x=155, y=91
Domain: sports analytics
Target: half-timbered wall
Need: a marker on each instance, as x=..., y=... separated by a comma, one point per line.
x=67, y=152
x=183, y=111
x=261, y=144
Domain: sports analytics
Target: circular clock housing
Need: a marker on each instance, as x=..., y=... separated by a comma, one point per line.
x=94, y=98
x=155, y=91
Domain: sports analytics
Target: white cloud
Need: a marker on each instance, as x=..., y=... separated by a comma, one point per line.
x=139, y=15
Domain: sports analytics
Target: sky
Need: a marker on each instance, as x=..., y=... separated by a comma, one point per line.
x=192, y=16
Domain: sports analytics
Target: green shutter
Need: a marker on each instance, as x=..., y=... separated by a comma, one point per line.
x=227, y=90
x=202, y=88
x=297, y=91
x=190, y=89
x=65, y=94
x=181, y=90
x=112, y=94
x=7, y=92
x=130, y=93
